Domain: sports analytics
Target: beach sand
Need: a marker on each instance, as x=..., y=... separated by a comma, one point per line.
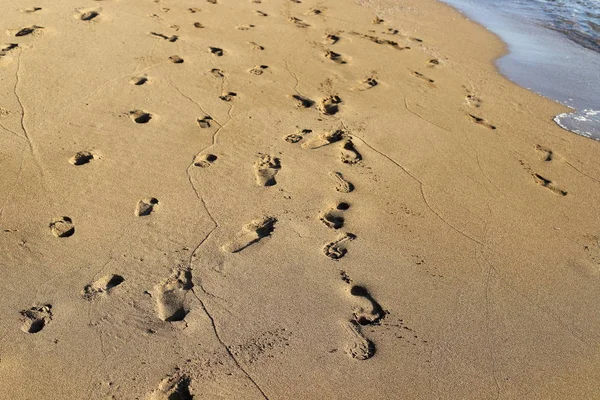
x=284, y=200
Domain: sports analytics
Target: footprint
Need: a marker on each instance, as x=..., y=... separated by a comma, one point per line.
x=138, y=80
x=204, y=122
x=337, y=248
x=194, y=10
x=323, y=139
x=330, y=105
x=31, y=10
x=171, y=39
x=369, y=311
x=473, y=101
x=259, y=69
x=332, y=218
x=36, y=318
x=256, y=46
x=297, y=137
x=101, y=287
x=174, y=387
x=5, y=48
x=341, y=184
x=140, y=116
x=349, y=153
x=298, y=22
x=28, y=30
x=245, y=27
x=331, y=38
x=423, y=77
x=228, y=97
x=359, y=347
x=335, y=57
x=265, y=169
x=198, y=25
x=302, y=102
x=204, y=160
x=216, y=51
x=217, y=73
x=378, y=40
x=82, y=157
x=544, y=153
x=211, y=1
x=433, y=62
x=481, y=121
x=171, y=294
x=540, y=180
x=145, y=206
x=175, y=59
x=88, y=15
x=62, y=227
x=366, y=84
x=377, y=20
x=251, y=233
x=260, y=13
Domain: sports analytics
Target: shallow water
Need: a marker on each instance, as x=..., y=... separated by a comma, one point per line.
x=554, y=50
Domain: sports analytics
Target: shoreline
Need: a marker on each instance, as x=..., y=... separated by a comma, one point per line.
x=287, y=200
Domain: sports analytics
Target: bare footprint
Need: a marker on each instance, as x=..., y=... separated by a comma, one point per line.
x=302, y=102
x=62, y=227
x=335, y=57
x=544, y=153
x=256, y=46
x=28, y=30
x=473, y=101
x=88, y=15
x=296, y=137
x=204, y=122
x=172, y=38
x=298, y=22
x=332, y=38
x=423, y=77
x=259, y=69
x=358, y=347
x=228, y=96
x=216, y=51
x=140, y=116
x=261, y=13
x=330, y=105
x=349, y=153
x=265, y=169
x=36, y=318
x=324, y=139
x=366, y=84
x=174, y=387
x=341, y=184
x=481, y=121
x=251, y=233
x=332, y=218
x=171, y=295
x=204, y=160
x=175, y=59
x=548, y=184
x=101, y=287
x=145, y=206
x=368, y=311
x=337, y=248
x=82, y=158
x=31, y=10
x=138, y=80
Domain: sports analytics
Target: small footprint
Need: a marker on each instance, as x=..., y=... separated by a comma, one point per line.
x=297, y=137
x=349, y=153
x=341, y=184
x=140, y=116
x=250, y=234
x=366, y=84
x=369, y=311
x=36, y=318
x=256, y=46
x=194, y=10
x=175, y=59
x=540, y=180
x=228, y=97
x=62, y=227
x=335, y=57
x=433, y=62
x=145, y=206
x=245, y=27
x=330, y=105
x=31, y=10
x=473, y=101
x=298, y=22
x=28, y=30
x=139, y=80
x=5, y=48
x=337, y=248
x=204, y=160
x=259, y=69
x=174, y=387
x=302, y=102
x=481, y=121
x=198, y=25
x=204, y=122
x=332, y=38
x=101, y=287
x=324, y=139
x=359, y=347
x=419, y=75
x=265, y=169
x=333, y=218
x=82, y=157
x=217, y=73
x=171, y=39
x=216, y=51
x=377, y=20
x=88, y=15
x=171, y=295
x=261, y=13
x=211, y=1
x=544, y=153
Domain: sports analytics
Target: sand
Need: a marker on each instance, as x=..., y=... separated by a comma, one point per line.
x=284, y=200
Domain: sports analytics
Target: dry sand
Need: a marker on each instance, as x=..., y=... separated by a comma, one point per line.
x=286, y=200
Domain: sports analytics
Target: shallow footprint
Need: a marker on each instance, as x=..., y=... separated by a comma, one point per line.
x=204, y=122
x=366, y=84
x=251, y=233
x=145, y=206
x=175, y=59
x=547, y=183
x=324, y=139
x=36, y=318
x=337, y=248
x=259, y=69
x=174, y=387
x=216, y=51
x=349, y=153
x=481, y=121
x=341, y=184
x=297, y=137
x=265, y=169
x=62, y=227
x=359, y=347
x=138, y=80
x=101, y=287
x=171, y=294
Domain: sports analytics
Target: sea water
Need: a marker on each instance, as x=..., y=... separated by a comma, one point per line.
x=554, y=50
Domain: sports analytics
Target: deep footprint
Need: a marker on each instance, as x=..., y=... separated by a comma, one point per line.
x=358, y=347
x=81, y=158
x=330, y=105
x=140, y=116
x=337, y=248
x=101, y=287
x=265, y=169
x=540, y=180
x=341, y=184
x=62, y=227
x=251, y=233
x=369, y=312
x=481, y=121
x=204, y=160
x=349, y=154
x=171, y=295
x=36, y=318
x=146, y=206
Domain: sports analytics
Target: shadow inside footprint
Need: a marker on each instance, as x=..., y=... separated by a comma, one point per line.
x=101, y=287
x=146, y=206
x=36, y=318
x=62, y=227
x=359, y=347
x=372, y=312
x=265, y=169
x=171, y=294
x=251, y=233
x=140, y=117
